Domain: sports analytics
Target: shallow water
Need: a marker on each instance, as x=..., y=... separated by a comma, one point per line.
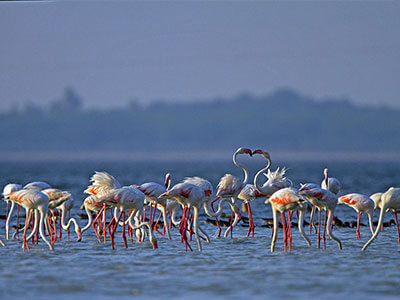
x=231, y=268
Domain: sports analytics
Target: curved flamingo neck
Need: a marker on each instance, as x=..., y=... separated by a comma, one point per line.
x=246, y=174
x=258, y=187
x=90, y=219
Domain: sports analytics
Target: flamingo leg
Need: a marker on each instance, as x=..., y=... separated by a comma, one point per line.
x=156, y=223
x=123, y=231
x=397, y=224
x=284, y=230
x=319, y=228
x=49, y=228
x=289, y=226
x=33, y=224
x=54, y=226
x=358, y=225
x=104, y=223
x=27, y=220
x=251, y=223
x=115, y=228
x=323, y=235
x=60, y=229
x=230, y=225
x=94, y=224
x=109, y=226
x=17, y=221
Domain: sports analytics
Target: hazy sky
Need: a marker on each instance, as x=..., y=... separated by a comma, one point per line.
x=111, y=52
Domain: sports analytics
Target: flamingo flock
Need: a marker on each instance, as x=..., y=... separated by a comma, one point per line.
x=127, y=207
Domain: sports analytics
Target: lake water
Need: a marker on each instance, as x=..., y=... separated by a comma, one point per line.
x=234, y=268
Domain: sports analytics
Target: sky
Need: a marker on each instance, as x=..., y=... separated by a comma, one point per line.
x=111, y=52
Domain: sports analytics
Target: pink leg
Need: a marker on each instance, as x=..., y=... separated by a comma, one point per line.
x=319, y=228
x=109, y=226
x=251, y=223
x=323, y=235
x=123, y=232
x=104, y=223
x=230, y=225
x=17, y=221
x=358, y=226
x=115, y=228
x=289, y=226
x=60, y=228
x=94, y=224
x=284, y=230
x=155, y=225
x=54, y=227
x=25, y=244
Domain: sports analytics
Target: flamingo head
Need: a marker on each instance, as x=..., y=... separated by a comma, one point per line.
x=78, y=233
x=167, y=181
x=262, y=153
x=9, y=189
x=153, y=241
x=242, y=150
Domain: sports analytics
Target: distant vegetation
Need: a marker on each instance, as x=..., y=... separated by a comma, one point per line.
x=283, y=120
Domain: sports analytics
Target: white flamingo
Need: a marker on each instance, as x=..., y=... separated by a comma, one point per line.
x=390, y=200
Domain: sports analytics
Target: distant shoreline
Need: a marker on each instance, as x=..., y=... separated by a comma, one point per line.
x=192, y=156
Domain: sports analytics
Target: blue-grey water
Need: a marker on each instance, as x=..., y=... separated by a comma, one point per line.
x=233, y=268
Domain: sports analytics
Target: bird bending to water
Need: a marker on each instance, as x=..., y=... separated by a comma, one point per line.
x=390, y=200
x=361, y=204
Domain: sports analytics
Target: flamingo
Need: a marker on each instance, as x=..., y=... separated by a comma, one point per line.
x=37, y=185
x=323, y=199
x=361, y=204
x=230, y=186
x=102, y=184
x=390, y=200
x=57, y=199
x=187, y=195
x=287, y=200
x=152, y=191
x=7, y=190
x=91, y=204
x=328, y=183
x=126, y=198
x=32, y=200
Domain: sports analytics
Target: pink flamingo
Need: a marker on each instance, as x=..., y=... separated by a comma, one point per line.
x=390, y=200
x=102, y=184
x=287, y=200
x=361, y=204
x=323, y=199
x=125, y=198
x=32, y=200
x=187, y=195
x=230, y=186
x=152, y=191
x=57, y=198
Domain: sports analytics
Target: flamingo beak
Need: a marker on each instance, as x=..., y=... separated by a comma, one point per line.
x=258, y=151
x=155, y=245
x=79, y=236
